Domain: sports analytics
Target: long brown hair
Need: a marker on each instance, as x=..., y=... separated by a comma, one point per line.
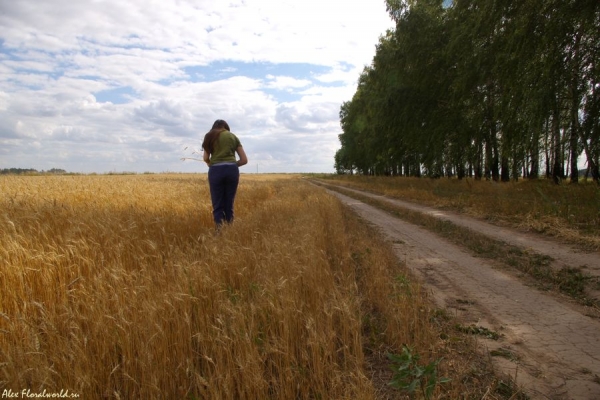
x=213, y=135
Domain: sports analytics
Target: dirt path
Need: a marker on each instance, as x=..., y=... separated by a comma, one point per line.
x=550, y=348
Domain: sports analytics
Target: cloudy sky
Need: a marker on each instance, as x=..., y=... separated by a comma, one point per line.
x=128, y=85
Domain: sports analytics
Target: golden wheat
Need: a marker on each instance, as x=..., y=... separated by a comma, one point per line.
x=116, y=287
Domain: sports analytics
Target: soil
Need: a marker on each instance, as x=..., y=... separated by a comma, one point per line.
x=548, y=344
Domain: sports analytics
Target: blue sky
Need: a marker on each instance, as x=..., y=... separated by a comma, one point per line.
x=132, y=85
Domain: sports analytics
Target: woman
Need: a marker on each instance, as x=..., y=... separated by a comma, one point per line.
x=220, y=146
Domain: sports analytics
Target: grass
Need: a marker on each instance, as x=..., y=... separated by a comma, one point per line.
x=114, y=286
x=504, y=353
x=479, y=330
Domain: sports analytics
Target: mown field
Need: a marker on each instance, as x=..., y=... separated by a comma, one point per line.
x=117, y=287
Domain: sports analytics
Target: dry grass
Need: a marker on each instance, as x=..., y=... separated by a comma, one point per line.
x=568, y=212
x=116, y=287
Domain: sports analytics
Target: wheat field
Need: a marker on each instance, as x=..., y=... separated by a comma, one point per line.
x=115, y=286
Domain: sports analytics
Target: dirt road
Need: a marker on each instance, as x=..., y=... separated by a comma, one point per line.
x=547, y=344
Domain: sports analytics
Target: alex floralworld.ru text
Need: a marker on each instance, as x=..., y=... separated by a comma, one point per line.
x=29, y=394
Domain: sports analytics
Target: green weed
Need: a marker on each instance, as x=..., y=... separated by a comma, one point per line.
x=478, y=330
x=410, y=375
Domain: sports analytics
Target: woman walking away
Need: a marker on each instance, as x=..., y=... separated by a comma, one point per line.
x=220, y=146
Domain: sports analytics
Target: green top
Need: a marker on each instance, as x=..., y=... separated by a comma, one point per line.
x=225, y=147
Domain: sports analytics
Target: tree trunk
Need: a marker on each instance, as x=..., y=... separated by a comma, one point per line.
x=505, y=172
x=488, y=161
x=534, y=171
x=592, y=163
x=495, y=167
x=557, y=164
x=574, y=153
x=575, y=100
x=515, y=165
x=478, y=161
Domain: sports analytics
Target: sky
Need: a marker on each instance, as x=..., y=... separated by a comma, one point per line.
x=133, y=85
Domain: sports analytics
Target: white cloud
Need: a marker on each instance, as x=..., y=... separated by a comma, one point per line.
x=58, y=57
x=4, y=99
x=286, y=82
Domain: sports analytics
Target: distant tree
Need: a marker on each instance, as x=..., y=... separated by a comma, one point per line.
x=17, y=171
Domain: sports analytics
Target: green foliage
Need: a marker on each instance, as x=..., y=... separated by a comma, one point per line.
x=410, y=375
x=18, y=171
x=482, y=88
x=31, y=171
x=478, y=330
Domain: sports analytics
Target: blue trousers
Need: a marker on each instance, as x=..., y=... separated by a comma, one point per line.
x=223, y=180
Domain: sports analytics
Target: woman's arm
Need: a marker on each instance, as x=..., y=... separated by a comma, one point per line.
x=243, y=158
x=206, y=157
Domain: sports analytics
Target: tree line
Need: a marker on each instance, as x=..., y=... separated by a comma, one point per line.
x=494, y=89
x=30, y=171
